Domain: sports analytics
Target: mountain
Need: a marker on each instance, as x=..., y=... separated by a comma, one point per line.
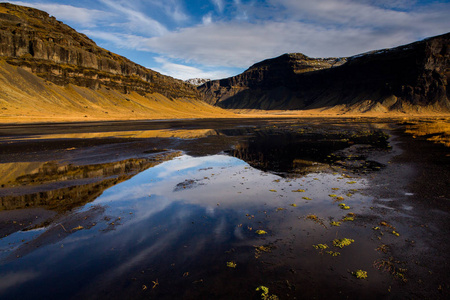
x=197, y=81
x=410, y=78
x=50, y=71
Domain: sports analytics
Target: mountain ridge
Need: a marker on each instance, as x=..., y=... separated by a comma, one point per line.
x=411, y=77
x=50, y=72
x=31, y=39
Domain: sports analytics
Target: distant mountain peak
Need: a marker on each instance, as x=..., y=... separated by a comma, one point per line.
x=197, y=81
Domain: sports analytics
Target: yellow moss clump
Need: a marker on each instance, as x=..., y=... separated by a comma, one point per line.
x=341, y=243
x=360, y=274
x=320, y=246
x=265, y=293
x=344, y=206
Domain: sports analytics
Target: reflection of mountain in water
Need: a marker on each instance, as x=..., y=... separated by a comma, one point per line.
x=303, y=152
x=63, y=187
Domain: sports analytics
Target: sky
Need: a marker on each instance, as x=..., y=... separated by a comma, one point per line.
x=221, y=38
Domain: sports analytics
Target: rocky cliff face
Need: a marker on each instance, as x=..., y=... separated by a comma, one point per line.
x=33, y=40
x=411, y=77
x=268, y=75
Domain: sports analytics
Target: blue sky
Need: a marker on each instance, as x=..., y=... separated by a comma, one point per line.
x=221, y=38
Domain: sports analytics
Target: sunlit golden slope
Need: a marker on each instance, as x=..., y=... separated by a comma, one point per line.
x=25, y=97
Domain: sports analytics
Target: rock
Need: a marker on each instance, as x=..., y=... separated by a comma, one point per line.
x=31, y=39
x=406, y=78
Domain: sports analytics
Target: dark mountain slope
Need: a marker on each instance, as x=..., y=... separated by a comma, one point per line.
x=407, y=78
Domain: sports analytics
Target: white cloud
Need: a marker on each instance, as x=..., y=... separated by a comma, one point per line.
x=186, y=72
x=241, y=44
x=136, y=21
x=120, y=40
x=246, y=32
x=356, y=14
x=207, y=19
x=82, y=16
x=323, y=28
x=174, y=9
x=219, y=5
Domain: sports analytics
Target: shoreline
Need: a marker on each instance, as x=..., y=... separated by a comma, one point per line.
x=27, y=120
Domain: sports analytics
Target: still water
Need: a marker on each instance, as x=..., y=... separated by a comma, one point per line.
x=171, y=223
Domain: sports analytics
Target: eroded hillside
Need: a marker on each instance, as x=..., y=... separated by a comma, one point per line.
x=50, y=72
x=410, y=78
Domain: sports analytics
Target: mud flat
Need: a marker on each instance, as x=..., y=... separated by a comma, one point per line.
x=224, y=209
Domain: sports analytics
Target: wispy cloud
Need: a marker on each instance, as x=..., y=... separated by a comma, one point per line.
x=119, y=40
x=219, y=5
x=186, y=72
x=237, y=33
x=318, y=28
x=351, y=13
x=207, y=19
x=173, y=9
x=81, y=16
x=136, y=21
x=217, y=44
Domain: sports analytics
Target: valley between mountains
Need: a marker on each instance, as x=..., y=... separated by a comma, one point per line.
x=51, y=73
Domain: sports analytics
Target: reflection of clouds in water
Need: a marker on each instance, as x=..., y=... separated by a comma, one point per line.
x=161, y=179
x=16, y=278
x=233, y=186
x=210, y=211
x=122, y=193
x=179, y=223
x=145, y=209
x=219, y=231
x=185, y=164
x=147, y=254
x=239, y=233
x=220, y=179
x=177, y=165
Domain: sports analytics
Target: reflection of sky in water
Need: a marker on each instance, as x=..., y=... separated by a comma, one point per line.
x=181, y=213
x=222, y=180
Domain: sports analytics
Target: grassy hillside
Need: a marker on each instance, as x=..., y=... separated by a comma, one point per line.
x=25, y=97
